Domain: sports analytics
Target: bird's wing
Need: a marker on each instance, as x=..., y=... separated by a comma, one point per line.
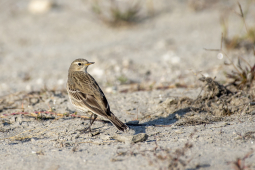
x=84, y=90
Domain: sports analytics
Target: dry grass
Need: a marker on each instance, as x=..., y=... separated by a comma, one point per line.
x=199, y=5
x=215, y=104
x=246, y=40
x=243, y=75
x=162, y=157
x=117, y=15
x=177, y=159
x=239, y=163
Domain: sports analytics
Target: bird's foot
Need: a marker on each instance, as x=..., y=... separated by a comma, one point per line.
x=86, y=130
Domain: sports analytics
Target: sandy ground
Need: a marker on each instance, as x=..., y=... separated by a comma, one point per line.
x=165, y=49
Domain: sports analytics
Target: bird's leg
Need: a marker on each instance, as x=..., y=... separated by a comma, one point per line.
x=87, y=129
x=92, y=121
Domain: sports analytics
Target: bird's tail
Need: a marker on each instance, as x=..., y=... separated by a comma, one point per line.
x=119, y=124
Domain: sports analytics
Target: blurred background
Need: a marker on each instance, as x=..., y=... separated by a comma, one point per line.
x=136, y=45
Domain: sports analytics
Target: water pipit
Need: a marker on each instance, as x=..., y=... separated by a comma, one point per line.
x=85, y=94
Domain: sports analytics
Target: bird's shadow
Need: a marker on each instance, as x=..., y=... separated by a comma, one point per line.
x=158, y=122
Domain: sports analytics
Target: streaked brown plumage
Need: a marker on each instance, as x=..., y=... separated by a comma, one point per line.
x=85, y=94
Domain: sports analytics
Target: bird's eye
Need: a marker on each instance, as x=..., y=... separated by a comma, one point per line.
x=79, y=64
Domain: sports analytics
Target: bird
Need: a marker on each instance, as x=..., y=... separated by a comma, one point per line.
x=86, y=95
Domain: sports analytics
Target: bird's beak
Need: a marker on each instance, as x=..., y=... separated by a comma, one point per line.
x=90, y=63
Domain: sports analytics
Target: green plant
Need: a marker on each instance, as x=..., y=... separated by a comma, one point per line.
x=122, y=79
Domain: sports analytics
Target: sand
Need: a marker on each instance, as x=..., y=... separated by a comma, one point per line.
x=149, y=71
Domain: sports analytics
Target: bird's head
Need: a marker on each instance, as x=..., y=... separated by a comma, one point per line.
x=80, y=65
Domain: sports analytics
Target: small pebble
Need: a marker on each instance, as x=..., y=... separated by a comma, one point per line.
x=141, y=137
